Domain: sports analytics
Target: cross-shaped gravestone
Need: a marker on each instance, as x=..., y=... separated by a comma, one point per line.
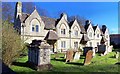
x=88, y=57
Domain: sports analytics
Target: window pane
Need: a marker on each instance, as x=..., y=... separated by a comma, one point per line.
x=37, y=28
x=76, y=33
x=63, y=31
x=63, y=44
x=75, y=45
x=33, y=29
x=91, y=44
x=98, y=35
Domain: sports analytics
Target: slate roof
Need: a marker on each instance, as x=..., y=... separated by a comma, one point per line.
x=49, y=22
x=71, y=23
x=84, y=38
x=24, y=17
x=103, y=40
x=94, y=28
x=51, y=35
x=82, y=29
x=86, y=27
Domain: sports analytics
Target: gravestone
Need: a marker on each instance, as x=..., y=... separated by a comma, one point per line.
x=39, y=55
x=76, y=56
x=88, y=57
x=101, y=49
x=69, y=55
x=86, y=49
x=110, y=48
x=117, y=55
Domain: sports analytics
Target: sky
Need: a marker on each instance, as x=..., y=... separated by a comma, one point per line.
x=101, y=13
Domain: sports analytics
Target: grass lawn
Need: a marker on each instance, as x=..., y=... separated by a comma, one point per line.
x=98, y=64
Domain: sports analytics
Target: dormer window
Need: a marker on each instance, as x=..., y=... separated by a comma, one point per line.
x=63, y=31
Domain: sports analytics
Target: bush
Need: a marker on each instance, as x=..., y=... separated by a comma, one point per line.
x=11, y=43
x=24, y=51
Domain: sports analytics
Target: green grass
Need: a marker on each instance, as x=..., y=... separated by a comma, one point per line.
x=98, y=64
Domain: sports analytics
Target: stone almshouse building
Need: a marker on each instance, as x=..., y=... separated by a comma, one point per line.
x=70, y=34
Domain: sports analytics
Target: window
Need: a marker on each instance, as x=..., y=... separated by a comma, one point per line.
x=98, y=35
x=63, y=31
x=37, y=28
x=63, y=44
x=33, y=28
x=76, y=33
x=91, y=44
x=90, y=34
x=76, y=45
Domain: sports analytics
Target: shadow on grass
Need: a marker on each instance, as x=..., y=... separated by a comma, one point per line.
x=25, y=64
x=82, y=57
x=75, y=63
x=112, y=57
x=118, y=63
x=62, y=60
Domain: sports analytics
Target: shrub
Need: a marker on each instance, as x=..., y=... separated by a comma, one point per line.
x=11, y=43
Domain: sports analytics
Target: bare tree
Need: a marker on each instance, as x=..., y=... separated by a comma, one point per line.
x=7, y=11
x=81, y=20
x=28, y=7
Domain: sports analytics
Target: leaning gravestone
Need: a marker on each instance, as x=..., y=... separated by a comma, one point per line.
x=88, y=57
x=69, y=55
x=39, y=55
x=76, y=56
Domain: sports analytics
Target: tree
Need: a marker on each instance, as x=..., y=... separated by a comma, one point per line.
x=28, y=7
x=81, y=20
x=7, y=11
x=11, y=43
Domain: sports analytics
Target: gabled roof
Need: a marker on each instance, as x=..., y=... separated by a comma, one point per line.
x=103, y=40
x=24, y=17
x=81, y=26
x=82, y=29
x=84, y=39
x=51, y=35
